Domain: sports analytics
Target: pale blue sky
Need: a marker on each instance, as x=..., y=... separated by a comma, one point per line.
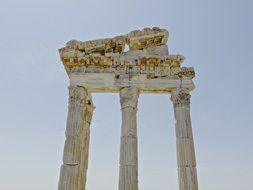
x=214, y=35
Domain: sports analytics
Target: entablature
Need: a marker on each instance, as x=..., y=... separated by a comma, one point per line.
x=152, y=66
x=147, y=60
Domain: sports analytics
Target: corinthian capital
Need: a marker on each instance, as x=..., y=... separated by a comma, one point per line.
x=129, y=97
x=180, y=97
x=77, y=95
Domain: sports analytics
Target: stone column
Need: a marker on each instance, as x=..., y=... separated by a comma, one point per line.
x=128, y=176
x=186, y=161
x=75, y=158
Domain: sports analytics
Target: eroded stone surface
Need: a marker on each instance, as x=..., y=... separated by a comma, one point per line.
x=105, y=66
x=147, y=59
x=75, y=157
x=186, y=160
x=128, y=175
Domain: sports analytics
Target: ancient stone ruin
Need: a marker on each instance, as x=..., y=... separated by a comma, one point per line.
x=103, y=65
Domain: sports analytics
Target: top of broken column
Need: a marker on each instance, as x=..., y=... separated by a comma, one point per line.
x=136, y=40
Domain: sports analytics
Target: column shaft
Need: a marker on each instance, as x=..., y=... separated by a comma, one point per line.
x=186, y=161
x=128, y=177
x=75, y=157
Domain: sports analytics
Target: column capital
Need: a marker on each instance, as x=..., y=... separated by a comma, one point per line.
x=77, y=95
x=180, y=97
x=129, y=97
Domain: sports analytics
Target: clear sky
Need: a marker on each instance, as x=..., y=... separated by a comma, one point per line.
x=214, y=35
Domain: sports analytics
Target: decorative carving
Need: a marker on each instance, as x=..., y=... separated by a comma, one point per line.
x=103, y=66
x=146, y=61
x=184, y=72
x=129, y=97
x=77, y=95
x=137, y=40
x=180, y=98
x=141, y=39
x=174, y=60
x=102, y=46
x=151, y=65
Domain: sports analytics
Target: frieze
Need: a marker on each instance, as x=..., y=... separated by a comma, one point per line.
x=107, y=56
x=137, y=40
x=102, y=46
x=184, y=72
x=174, y=60
x=154, y=66
x=141, y=39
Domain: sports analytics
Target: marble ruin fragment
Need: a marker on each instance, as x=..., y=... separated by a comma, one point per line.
x=106, y=66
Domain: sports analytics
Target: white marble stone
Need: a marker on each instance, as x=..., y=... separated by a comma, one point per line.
x=75, y=157
x=128, y=176
x=106, y=66
x=186, y=161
